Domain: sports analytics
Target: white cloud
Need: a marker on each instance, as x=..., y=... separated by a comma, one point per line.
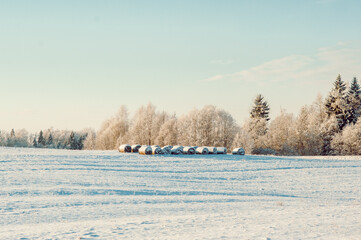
x=324, y=65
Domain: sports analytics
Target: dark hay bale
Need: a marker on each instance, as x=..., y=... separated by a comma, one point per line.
x=202, y=150
x=238, y=151
x=145, y=150
x=135, y=148
x=125, y=148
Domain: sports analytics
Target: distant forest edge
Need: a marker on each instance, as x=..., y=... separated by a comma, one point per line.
x=329, y=126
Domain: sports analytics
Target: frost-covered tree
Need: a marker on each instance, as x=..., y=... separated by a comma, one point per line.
x=168, y=133
x=300, y=132
x=337, y=111
x=70, y=141
x=80, y=142
x=49, y=140
x=73, y=141
x=10, y=140
x=328, y=130
x=35, y=143
x=12, y=133
x=353, y=102
x=90, y=140
x=257, y=125
x=209, y=126
x=206, y=126
x=159, y=120
x=60, y=138
x=22, y=138
x=317, y=112
x=2, y=138
x=18, y=138
x=257, y=129
x=112, y=129
x=279, y=134
x=243, y=140
x=225, y=129
x=76, y=141
x=41, y=139
x=305, y=138
x=144, y=125
x=260, y=109
x=188, y=129
x=348, y=141
x=336, y=104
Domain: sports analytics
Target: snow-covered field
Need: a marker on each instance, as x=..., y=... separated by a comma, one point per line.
x=60, y=194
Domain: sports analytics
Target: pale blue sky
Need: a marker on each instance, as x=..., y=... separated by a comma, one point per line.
x=71, y=64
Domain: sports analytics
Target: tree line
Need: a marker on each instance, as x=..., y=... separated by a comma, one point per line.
x=327, y=126
x=49, y=138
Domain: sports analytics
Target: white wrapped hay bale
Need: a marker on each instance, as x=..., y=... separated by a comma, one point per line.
x=156, y=150
x=189, y=150
x=145, y=150
x=135, y=148
x=177, y=150
x=212, y=150
x=238, y=151
x=155, y=146
x=221, y=150
x=202, y=150
x=125, y=148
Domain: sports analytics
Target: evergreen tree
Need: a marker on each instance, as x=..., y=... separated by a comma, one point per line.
x=35, y=143
x=41, y=139
x=260, y=109
x=353, y=102
x=11, y=140
x=339, y=85
x=50, y=140
x=72, y=141
x=12, y=133
x=336, y=104
x=257, y=127
x=80, y=142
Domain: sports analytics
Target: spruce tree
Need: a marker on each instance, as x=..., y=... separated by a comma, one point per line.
x=257, y=126
x=12, y=133
x=35, y=143
x=50, y=140
x=72, y=141
x=336, y=104
x=260, y=109
x=80, y=142
x=11, y=140
x=41, y=139
x=353, y=102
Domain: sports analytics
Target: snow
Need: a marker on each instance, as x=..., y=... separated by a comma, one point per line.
x=61, y=194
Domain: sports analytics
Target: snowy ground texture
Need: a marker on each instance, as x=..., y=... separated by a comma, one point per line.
x=60, y=194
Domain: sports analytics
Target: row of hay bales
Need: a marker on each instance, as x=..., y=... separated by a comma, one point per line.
x=176, y=150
